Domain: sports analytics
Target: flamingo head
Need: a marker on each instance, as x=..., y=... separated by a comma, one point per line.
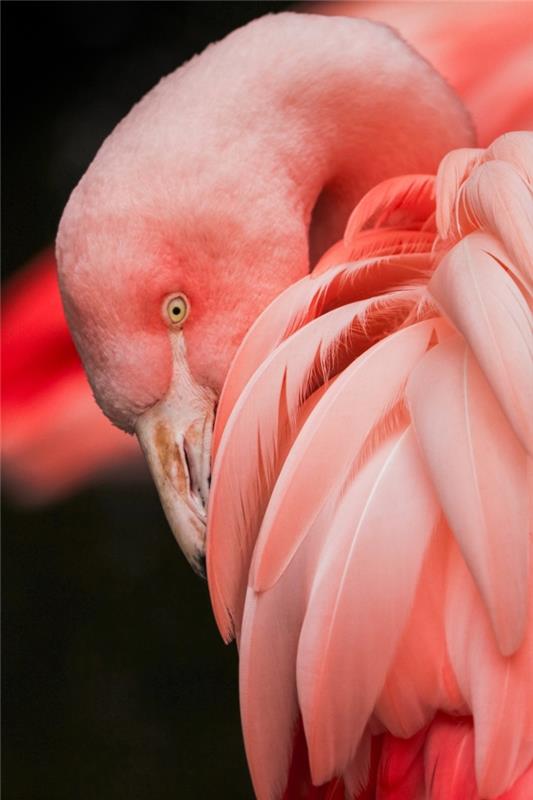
x=158, y=298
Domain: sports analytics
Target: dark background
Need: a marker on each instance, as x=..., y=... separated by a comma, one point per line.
x=115, y=680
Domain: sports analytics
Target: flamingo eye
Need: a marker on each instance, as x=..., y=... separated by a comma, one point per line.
x=176, y=309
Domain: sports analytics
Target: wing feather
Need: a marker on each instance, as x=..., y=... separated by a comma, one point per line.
x=271, y=628
x=453, y=170
x=479, y=470
x=498, y=688
x=486, y=305
x=402, y=198
x=292, y=373
x=321, y=457
x=308, y=299
x=371, y=564
x=496, y=200
x=241, y=487
x=420, y=679
x=515, y=147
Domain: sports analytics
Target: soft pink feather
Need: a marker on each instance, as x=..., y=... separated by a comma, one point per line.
x=304, y=485
x=453, y=171
x=409, y=198
x=307, y=299
x=448, y=755
x=496, y=200
x=362, y=593
x=420, y=679
x=486, y=305
x=241, y=489
x=515, y=147
x=470, y=449
x=499, y=689
x=270, y=632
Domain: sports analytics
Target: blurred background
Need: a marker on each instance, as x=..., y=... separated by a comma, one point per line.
x=115, y=680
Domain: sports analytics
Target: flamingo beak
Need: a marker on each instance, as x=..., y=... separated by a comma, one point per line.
x=175, y=436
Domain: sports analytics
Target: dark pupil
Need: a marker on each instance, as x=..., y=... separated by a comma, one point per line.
x=176, y=310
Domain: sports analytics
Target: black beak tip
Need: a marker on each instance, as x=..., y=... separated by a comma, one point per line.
x=200, y=566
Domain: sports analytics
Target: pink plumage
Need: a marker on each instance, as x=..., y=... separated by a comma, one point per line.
x=462, y=420
x=367, y=526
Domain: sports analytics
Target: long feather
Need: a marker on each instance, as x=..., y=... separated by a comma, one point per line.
x=421, y=680
x=399, y=199
x=470, y=449
x=515, y=147
x=241, y=488
x=453, y=170
x=496, y=200
x=401, y=768
x=320, y=459
x=356, y=775
x=377, y=243
x=308, y=299
x=498, y=689
x=449, y=760
x=485, y=304
x=391, y=241
x=361, y=599
x=268, y=647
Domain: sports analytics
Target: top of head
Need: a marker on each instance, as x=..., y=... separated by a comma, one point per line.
x=207, y=187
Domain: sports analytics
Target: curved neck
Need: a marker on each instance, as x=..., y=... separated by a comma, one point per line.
x=327, y=108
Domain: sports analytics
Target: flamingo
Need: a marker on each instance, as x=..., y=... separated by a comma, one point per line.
x=88, y=448
x=291, y=262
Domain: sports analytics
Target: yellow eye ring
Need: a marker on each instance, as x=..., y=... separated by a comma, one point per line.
x=176, y=309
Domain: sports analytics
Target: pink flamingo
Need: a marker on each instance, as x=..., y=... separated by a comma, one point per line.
x=481, y=49
x=367, y=536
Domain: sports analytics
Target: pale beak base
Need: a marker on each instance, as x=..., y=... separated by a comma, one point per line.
x=175, y=436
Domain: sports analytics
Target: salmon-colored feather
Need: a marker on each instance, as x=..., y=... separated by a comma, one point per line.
x=323, y=440
x=369, y=552
x=382, y=518
x=448, y=755
x=418, y=684
x=497, y=688
x=240, y=495
x=406, y=199
x=454, y=169
x=485, y=304
x=270, y=633
x=294, y=372
x=390, y=242
x=308, y=299
x=496, y=200
x=515, y=148
x=470, y=448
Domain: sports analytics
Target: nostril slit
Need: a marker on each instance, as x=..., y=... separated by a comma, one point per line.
x=187, y=462
x=194, y=484
x=193, y=488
